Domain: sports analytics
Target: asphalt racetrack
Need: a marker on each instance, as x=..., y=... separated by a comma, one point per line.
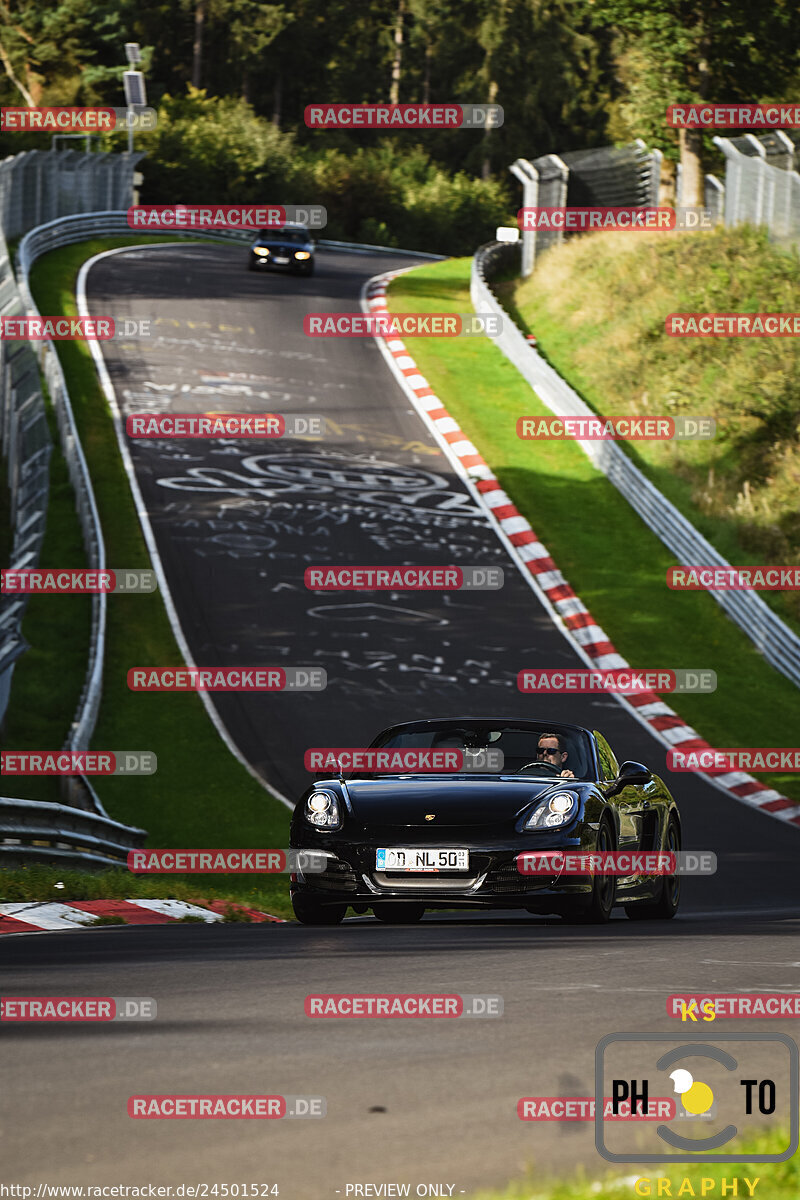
x=417, y=1101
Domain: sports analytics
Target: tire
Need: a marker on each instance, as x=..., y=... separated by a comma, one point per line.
x=309, y=270
x=399, y=913
x=310, y=911
x=665, y=907
x=251, y=266
x=597, y=911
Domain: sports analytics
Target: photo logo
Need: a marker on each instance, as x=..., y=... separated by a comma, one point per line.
x=718, y=1083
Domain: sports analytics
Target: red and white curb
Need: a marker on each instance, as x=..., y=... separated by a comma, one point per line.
x=32, y=916
x=534, y=561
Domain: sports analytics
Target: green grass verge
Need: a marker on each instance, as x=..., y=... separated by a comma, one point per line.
x=37, y=882
x=49, y=676
x=597, y=306
x=776, y=1181
x=200, y=796
x=613, y=561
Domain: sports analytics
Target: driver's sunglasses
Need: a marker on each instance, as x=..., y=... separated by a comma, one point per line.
x=548, y=750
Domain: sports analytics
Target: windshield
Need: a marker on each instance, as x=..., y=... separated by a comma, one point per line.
x=296, y=236
x=546, y=751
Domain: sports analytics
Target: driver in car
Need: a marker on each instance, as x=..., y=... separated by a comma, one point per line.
x=551, y=749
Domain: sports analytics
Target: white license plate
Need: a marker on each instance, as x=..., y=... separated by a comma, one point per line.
x=430, y=859
x=282, y=261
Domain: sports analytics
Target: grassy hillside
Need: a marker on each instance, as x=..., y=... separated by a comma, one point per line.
x=597, y=306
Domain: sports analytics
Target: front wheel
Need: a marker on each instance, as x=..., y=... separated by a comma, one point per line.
x=399, y=914
x=665, y=907
x=309, y=911
x=604, y=889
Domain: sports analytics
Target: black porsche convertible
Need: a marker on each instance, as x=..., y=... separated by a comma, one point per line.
x=399, y=843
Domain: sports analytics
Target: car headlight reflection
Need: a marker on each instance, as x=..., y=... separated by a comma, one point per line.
x=554, y=811
x=302, y=254
x=322, y=810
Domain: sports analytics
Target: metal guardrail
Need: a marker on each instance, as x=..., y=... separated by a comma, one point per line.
x=27, y=446
x=36, y=831
x=771, y=636
x=85, y=718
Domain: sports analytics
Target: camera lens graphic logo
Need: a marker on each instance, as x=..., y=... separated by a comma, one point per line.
x=696, y=1097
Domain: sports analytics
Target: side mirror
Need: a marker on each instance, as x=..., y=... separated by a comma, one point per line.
x=629, y=772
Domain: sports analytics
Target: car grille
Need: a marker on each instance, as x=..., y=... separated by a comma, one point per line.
x=338, y=876
x=507, y=879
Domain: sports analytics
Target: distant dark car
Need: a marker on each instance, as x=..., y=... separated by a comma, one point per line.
x=401, y=843
x=289, y=248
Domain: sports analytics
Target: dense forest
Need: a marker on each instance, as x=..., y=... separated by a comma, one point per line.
x=231, y=79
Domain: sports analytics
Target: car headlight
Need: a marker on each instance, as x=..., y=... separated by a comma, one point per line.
x=260, y=250
x=322, y=810
x=302, y=254
x=554, y=811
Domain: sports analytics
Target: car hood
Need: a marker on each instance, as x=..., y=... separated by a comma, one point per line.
x=451, y=801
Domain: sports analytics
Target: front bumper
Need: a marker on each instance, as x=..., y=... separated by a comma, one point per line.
x=491, y=881
x=269, y=263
